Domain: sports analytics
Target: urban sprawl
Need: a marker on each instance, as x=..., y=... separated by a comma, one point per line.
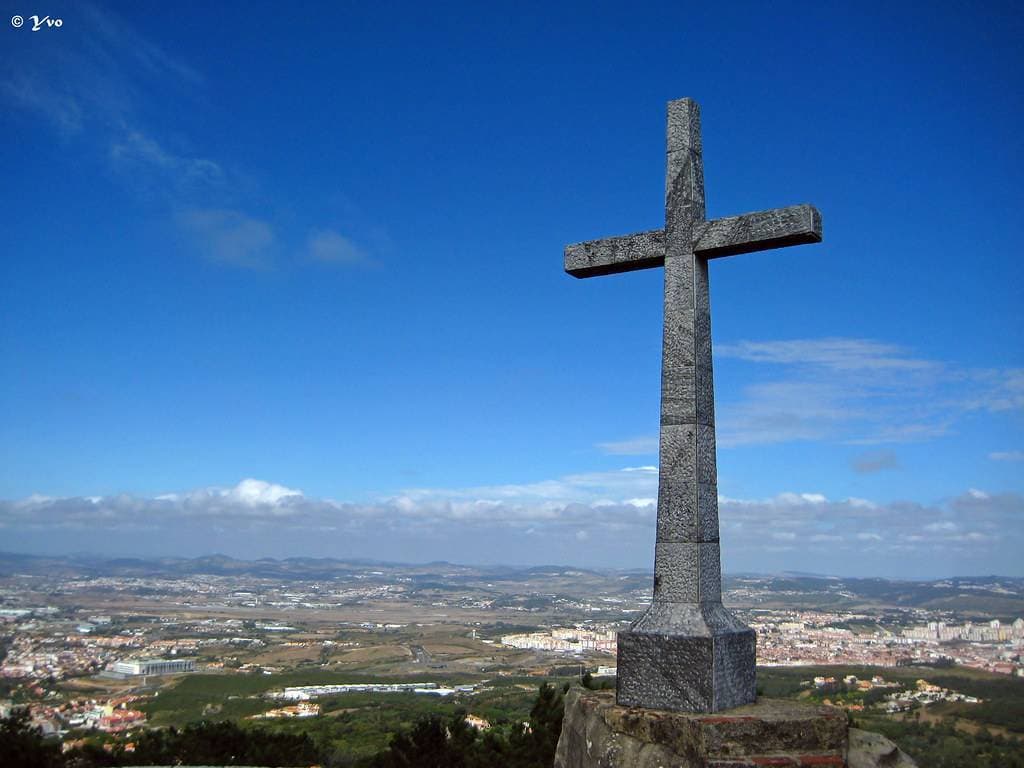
x=88, y=653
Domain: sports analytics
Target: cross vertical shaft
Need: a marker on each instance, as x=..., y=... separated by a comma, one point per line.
x=686, y=563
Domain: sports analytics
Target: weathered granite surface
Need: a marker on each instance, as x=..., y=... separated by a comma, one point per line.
x=872, y=750
x=688, y=653
x=597, y=733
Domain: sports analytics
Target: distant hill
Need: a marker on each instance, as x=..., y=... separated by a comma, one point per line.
x=976, y=595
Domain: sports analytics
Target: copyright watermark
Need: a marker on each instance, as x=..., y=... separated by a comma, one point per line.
x=38, y=22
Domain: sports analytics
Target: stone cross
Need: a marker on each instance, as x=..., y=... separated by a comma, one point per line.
x=687, y=652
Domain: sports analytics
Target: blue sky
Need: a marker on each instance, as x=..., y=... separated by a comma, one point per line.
x=284, y=282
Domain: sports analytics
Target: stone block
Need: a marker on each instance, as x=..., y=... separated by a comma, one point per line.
x=678, y=400
x=709, y=574
x=678, y=283
x=685, y=672
x=683, y=126
x=707, y=466
x=665, y=672
x=735, y=670
x=684, y=200
x=677, y=510
x=707, y=512
x=676, y=452
x=676, y=568
x=705, y=394
x=598, y=733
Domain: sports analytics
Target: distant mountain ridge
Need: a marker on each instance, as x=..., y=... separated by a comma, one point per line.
x=981, y=595
x=307, y=567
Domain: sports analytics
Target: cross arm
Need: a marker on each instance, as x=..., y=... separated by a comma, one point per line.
x=728, y=236
x=616, y=254
x=759, y=231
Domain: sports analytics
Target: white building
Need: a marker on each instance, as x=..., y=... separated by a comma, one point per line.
x=154, y=666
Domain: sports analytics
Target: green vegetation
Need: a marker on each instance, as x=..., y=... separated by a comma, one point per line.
x=229, y=696
x=431, y=740
x=361, y=725
x=223, y=743
x=205, y=721
x=942, y=745
x=1002, y=699
x=435, y=743
x=1002, y=696
x=23, y=746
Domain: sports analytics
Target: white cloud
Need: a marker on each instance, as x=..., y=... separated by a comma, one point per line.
x=834, y=353
x=96, y=78
x=119, y=35
x=149, y=163
x=635, y=446
x=229, y=236
x=641, y=502
x=330, y=246
x=874, y=461
x=856, y=391
x=600, y=507
x=853, y=501
x=97, y=87
x=34, y=94
x=1007, y=455
x=254, y=492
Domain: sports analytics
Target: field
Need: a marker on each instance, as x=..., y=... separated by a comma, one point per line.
x=354, y=724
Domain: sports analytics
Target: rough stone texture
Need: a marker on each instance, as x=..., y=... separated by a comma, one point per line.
x=687, y=656
x=687, y=652
x=872, y=750
x=680, y=521
x=795, y=225
x=598, y=733
x=729, y=236
x=616, y=254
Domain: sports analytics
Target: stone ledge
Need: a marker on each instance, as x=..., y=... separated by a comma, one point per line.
x=597, y=733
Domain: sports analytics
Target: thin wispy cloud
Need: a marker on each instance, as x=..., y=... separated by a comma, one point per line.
x=95, y=79
x=61, y=110
x=149, y=165
x=855, y=391
x=332, y=247
x=96, y=89
x=874, y=461
x=230, y=237
x=852, y=391
x=634, y=446
x=832, y=353
x=113, y=32
x=1007, y=455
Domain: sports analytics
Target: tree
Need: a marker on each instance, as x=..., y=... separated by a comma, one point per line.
x=432, y=743
x=23, y=746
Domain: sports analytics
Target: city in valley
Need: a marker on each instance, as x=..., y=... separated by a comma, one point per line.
x=107, y=646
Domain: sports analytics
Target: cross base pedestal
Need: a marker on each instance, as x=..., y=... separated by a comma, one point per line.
x=596, y=733
x=687, y=657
